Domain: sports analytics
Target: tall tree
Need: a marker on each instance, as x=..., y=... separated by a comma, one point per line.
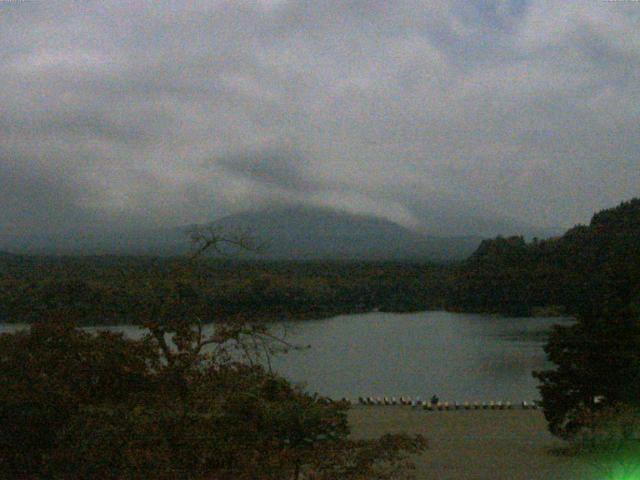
x=183, y=402
x=597, y=367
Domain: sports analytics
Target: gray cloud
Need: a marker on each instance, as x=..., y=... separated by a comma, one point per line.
x=110, y=111
x=275, y=169
x=34, y=195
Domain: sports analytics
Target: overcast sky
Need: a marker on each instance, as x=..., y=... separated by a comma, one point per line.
x=167, y=113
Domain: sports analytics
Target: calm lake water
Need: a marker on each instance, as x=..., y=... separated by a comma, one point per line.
x=456, y=356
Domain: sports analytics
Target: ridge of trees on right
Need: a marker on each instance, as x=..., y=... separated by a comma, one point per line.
x=589, y=269
x=592, y=395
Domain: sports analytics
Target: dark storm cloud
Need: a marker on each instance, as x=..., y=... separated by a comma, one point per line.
x=419, y=111
x=278, y=169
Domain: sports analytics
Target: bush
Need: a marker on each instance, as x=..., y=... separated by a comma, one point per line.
x=83, y=406
x=176, y=404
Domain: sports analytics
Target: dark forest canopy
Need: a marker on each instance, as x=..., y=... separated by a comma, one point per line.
x=594, y=264
x=587, y=267
x=108, y=289
x=591, y=396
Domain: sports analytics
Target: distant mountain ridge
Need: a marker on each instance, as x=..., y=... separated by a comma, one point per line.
x=291, y=232
x=308, y=233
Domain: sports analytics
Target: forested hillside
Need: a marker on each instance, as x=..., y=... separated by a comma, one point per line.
x=589, y=266
x=107, y=289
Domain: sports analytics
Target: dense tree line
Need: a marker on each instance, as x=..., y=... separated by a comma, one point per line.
x=109, y=289
x=588, y=268
x=591, y=396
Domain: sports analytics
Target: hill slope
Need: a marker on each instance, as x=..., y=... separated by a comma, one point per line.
x=589, y=266
x=305, y=233
x=291, y=233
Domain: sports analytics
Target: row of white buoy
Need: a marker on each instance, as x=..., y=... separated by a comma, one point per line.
x=428, y=405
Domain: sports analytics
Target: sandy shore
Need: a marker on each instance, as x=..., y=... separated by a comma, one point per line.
x=475, y=444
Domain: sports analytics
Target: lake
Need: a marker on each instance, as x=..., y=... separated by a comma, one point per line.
x=456, y=356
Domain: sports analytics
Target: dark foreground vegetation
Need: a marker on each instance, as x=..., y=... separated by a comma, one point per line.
x=592, y=395
x=82, y=406
x=177, y=404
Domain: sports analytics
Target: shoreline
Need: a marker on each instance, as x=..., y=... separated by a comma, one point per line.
x=309, y=316
x=475, y=444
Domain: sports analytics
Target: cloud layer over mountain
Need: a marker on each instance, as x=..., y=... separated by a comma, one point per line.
x=126, y=114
